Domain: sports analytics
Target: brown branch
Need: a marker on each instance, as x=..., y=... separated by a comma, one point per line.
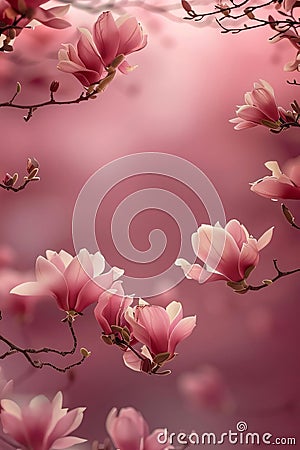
x=279, y=275
x=27, y=352
x=90, y=93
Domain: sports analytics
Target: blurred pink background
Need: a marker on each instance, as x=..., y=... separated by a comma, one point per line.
x=178, y=101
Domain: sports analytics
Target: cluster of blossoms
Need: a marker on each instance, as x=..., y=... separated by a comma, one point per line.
x=159, y=329
x=77, y=282
x=42, y=424
x=260, y=108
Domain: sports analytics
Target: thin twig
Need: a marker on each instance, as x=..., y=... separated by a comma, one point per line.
x=279, y=275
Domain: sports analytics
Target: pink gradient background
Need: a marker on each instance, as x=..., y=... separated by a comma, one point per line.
x=178, y=101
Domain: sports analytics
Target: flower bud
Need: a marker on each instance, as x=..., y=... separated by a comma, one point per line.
x=10, y=180
x=32, y=164
x=186, y=6
x=287, y=214
x=85, y=353
x=54, y=86
x=19, y=87
x=249, y=13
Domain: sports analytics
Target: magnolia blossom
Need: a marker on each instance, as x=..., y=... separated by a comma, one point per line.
x=260, y=108
x=110, y=309
x=228, y=253
x=42, y=425
x=129, y=431
x=159, y=329
x=31, y=9
x=280, y=185
x=97, y=51
x=74, y=282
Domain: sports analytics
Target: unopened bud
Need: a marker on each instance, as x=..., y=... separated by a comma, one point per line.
x=54, y=86
x=10, y=180
x=11, y=33
x=107, y=339
x=296, y=107
x=186, y=6
x=18, y=88
x=267, y=282
x=249, y=13
x=32, y=164
x=287, y=214
x=85, y=353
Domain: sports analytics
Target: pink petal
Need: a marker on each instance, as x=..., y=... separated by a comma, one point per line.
x=198, y=273
x=32, y=288
x=131, y=36
x=157, y=323
x=48, y=18
x=182, y=330
x=265, y=239
x=273, y=188
x=249, y=257
x=67, y=442
x=218, y=250
x=106, y=37
x=237, y=232
x=88, y=53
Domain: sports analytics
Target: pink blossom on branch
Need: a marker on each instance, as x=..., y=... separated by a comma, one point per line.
x=228, y=253
x=129, y=431
x=42, y=425
x=260, y=108
x=280, y=185
x=111, y=308
x=74, y=282
x=95, y=52
x=159, y=329
x=31, y=9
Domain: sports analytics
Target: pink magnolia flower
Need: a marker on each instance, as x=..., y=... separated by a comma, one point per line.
x=280, y=185
x=159, y=329
x=74, y=282
x=31, y=9
x=110, y=309
x=42, y=425
x=228, y=253
x=260, y=108
x=129, y=431
x=95, y=52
